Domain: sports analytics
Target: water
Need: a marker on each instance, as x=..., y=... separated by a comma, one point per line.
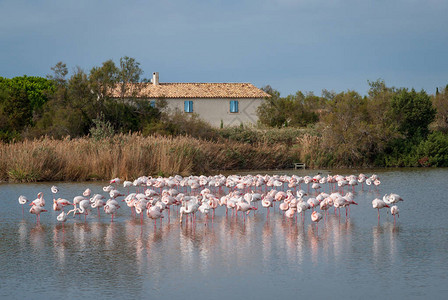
x=259, y=258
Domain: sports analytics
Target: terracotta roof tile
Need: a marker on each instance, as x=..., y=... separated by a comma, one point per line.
x=194, y=90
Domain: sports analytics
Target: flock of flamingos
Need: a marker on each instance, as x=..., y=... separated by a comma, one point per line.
x=156, y=197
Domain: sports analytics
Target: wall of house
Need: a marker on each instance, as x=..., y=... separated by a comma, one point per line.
x=216, y=110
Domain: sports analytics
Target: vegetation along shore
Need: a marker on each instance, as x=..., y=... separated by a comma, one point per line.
x=68, y=128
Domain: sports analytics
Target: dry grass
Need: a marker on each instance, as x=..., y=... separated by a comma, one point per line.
x=310, y=146
x=130, y=156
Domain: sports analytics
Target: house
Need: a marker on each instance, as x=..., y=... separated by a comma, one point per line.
x=220, y=104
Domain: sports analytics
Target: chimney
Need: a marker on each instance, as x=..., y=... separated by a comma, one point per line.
x=155, y=78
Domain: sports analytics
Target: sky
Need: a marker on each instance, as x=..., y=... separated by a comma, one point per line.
x=291, y=45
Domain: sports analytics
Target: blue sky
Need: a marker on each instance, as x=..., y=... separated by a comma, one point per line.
x=292, y=45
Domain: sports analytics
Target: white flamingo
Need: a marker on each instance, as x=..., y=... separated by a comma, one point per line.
x=378, y=204
x=23, y=200
x=395, y=211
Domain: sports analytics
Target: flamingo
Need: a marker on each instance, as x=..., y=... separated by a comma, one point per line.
x=37, y=210
x=302, y=206
x=392, y=198
x=60, y=203
x=316, y=217
x=154, y=213
x=56, y=206
x=54, y=189
x=115, y=194
x=140, y=207
x=76, y=201
x=127, y=184
x=395, y=211
x=204, y=208
x=189, y=207
x=83, y=208
x=267, y=202
x=378, y=204
x=62, y=217
x=98, y=202
x=39, y=201
x=87, y=193
x=110, y=209
x=290, y=212
x=245, y=208
x=23, y=200
x=284, y=206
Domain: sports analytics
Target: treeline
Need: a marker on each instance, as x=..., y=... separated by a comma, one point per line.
x=388, y=127
x=76, y=106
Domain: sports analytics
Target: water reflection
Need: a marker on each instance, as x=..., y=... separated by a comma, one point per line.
x=196, y=246
x=37, y=238
x=143, y=259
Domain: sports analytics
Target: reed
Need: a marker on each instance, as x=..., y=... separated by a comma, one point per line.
x=131, y=155
x=310, y=149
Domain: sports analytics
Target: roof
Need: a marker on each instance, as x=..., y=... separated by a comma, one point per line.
x=193, y=90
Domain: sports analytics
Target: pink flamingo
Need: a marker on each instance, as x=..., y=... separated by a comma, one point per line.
x=40, y=201
x=267, y=202
x=245, y=208
x=316, y=217
x=37, y=210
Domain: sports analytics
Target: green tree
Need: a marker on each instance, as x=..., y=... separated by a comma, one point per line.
x=352, y=134
x=103, y=80
x=128, y=76
x=440, y=101
x=71, y=108
x=293, y=110
x=21, y=99
x=413, y=112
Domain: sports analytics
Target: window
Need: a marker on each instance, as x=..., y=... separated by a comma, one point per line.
x=234, y=106
x=188, y=106
x=152, y=103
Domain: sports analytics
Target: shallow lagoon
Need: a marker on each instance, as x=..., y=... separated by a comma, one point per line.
x=260, y=258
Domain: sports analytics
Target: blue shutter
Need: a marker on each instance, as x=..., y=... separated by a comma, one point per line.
x=233, y=106
x=153, y=103
x=188, y=106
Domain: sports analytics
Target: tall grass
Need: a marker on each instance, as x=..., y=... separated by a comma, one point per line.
x=130, y=156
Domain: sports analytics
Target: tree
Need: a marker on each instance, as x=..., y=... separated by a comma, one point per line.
x=103, y=80
x=352, y=134
x=413, y=112
x=293, y=110
x=59, y=72
x=129, y=76
x=440, y=101
x=21, y=98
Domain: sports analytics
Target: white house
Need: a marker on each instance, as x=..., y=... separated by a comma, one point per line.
x=226, y=104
